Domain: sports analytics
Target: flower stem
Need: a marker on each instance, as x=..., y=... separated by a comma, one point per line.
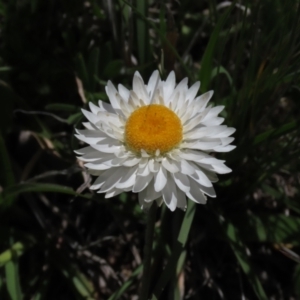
x=144, y=290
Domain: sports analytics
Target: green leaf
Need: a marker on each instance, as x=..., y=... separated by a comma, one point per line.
x=13, y=280
x=163, y=37
x=126, y=284
x=141, y=27
x=16, y=250
x=15, y=190
x=207, y=59
x=221, y=70
x=275, y=133
x=170, y=268
x=297, y=281
x=269, y=228
x=240, y=253
x=61, y=107
x=79, y=281
x=112, y=69
x=75, y=118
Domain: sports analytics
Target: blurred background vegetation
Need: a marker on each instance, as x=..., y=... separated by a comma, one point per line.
x=59, y=240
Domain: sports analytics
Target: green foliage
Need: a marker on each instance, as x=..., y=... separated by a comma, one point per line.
x=58, y=239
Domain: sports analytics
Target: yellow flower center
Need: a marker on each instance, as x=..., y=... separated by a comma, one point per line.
x=153, y=127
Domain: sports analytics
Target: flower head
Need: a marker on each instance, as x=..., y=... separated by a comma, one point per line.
x=155, y=140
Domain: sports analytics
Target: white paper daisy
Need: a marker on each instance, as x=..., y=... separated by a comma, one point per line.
x=154, y=140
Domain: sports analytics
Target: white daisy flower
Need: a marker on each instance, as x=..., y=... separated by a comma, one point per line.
x=155, y=140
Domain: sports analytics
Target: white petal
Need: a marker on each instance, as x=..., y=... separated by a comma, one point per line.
x=94, y=108
x=108, y=118
x=91, y=133
x=144, y=205
x=90, y=116
x=143, y=169
x=141, y=182
x=181, y=199
x=192, y=91
x=160, y=179
x=186, y=167
x=224, y=148
x=227, y=140
x=152, y=84
x=182, y=85
x=149, y=193
x=115, y=162
x=153, y=166
x=139, y=88
x=216, y=166
x=210, y=191
x=213, y=112
x=170, y=164
x=128, y=179
x=93, y=166
x=107, y=145
x=85, y=150
x=131, y=161
x=212, y=131
x=112, y=95
x=89, y=126
x=196, y=155
x=113, y=179
x=102, y=177
x=112, y=193
x=182, y=181
x=134, y=100
x=226, y=132
x=168, y=87
x=192, y=123
x=186, y=117
x=90, y=157
x=97, y=184
x=200, y=177
x=202, y=101
x=213, y=121
x=124, y=92
x=88, y=140
x=106, y=106
x=195, y=194
x=169, y=193
x=201, y=145
x=181, y=104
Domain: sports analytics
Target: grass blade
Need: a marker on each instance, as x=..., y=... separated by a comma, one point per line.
x=178, y=248
x=239, y=251
x=207, y=59
x=13, y=280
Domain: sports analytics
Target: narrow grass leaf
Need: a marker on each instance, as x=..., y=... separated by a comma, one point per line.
x=79, y=282
x=16, y=250
x=126, y=284
x=18, y=189
x=141, y=27
x=170, y=268
x=270, y=228
x=61, y=107
x=13, y=280
x=207, y=59
x=240, y=253
x=275, y=133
